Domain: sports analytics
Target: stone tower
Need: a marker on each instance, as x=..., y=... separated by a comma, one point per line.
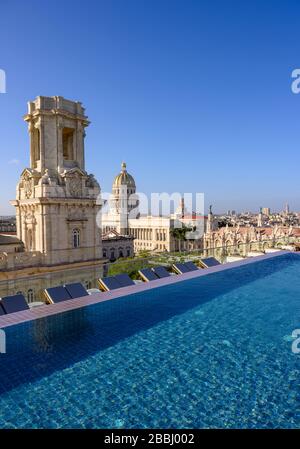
x=181, y=210
x=123, y=200
x=287, y=209
x=211, y=224
x=260, y=218
x=57, y=200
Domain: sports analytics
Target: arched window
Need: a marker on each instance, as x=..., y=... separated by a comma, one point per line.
x=76, y=238
x=104, y=253
x=121, y=252
x=30, y=296
x=35, y=136
x=68, y=143
x=128, y=251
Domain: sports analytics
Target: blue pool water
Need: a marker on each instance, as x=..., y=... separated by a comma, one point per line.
x=212, y=352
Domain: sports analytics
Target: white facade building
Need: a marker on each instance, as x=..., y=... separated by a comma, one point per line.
x=151, y=233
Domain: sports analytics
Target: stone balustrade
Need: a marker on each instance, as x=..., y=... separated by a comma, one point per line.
x=11, y=261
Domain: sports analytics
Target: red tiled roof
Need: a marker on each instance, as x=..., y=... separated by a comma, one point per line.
x=194, y=217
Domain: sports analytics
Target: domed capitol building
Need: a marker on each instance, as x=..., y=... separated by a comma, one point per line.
x=150, y=232
x=124, y=178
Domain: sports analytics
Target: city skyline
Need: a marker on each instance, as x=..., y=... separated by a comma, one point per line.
x=184, y=112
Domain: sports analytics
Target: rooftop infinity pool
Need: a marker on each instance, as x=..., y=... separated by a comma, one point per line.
x=210, y=352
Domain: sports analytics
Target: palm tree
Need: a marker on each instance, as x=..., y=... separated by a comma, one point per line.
x=179, y=234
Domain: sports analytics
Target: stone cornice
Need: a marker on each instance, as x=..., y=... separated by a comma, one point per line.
x=57, y=200
x=48, y=269
x=59, y=112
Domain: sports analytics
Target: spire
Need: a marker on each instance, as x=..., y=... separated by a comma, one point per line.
x=182, y=206
x=260, y=218
x=123, y=166
x=287, y=209
x=210, y=221
x=180, y=211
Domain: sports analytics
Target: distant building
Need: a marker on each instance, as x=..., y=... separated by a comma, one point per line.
x=266, y=211
x=287, y=209
x=8, y=225
x=245, y=238
x=152, y=233
x=116, y=246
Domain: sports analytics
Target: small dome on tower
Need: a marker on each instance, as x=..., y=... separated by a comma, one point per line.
x=124, y=178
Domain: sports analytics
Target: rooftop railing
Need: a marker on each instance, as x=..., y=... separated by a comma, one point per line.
x=224, y=253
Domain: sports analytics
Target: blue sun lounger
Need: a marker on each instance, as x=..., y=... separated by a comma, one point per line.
x=76, y=290
x=124, y=280
x=185, y=267
x=114, y=282
x=148, y=275
x=209, y=262
x=14, y=303
x=161, y=272
x=191, y=266
x=109, y=283
x=180, y=268
x=56, y=294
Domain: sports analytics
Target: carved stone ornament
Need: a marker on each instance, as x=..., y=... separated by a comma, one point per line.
x=75, y=186
x=77, y=214
x=28, y=186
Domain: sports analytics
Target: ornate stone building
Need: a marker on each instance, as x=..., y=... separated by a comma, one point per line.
x=57, y=203
x=116, y=246
x=241, y=240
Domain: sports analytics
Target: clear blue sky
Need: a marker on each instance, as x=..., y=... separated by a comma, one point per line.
x=193, y=95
